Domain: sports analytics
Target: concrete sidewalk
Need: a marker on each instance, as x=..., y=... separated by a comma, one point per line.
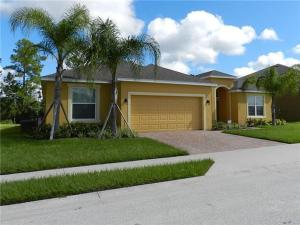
x=249, y=187
x=226, y=162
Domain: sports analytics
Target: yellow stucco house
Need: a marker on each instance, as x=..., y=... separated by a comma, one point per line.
x=161, y=101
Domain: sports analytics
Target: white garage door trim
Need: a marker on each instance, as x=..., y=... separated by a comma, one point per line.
x=203, y=96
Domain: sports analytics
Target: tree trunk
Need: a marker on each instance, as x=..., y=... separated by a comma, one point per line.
x=273, y=111
x=24, y=76
x=56, y=102
x=24, y=80
x=114, y=110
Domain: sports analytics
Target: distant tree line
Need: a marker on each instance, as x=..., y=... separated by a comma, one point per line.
x=21, y=84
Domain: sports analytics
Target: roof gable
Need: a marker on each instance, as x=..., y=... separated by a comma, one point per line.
x=215, y=74
x=280, y=69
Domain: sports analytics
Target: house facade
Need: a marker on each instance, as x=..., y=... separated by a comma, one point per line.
x=158, y=101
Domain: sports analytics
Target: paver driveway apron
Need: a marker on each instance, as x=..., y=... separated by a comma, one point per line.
x=199, y=141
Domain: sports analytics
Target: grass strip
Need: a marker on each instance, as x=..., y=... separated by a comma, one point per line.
x=289, y=133
x=59, y=186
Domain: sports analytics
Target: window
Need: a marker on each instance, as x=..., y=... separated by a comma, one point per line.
x=83, y=103
x=255, y=105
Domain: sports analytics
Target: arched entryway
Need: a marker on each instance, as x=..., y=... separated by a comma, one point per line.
x=222, y=95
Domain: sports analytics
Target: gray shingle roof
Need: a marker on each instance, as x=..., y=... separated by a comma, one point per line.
x=215, y=73
x=124, y=71
x=280, y=69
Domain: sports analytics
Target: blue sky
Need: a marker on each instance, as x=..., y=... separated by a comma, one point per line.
x=212, y=37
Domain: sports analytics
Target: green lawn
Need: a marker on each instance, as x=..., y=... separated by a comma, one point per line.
x=59, y=186
x=289, y=133
x=21, y=154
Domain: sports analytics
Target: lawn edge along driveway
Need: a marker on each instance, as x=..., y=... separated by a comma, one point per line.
x=289, y=133
x=38, y=155
x=59, y=186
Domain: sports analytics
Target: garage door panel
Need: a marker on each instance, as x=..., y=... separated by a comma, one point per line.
x=154, y=113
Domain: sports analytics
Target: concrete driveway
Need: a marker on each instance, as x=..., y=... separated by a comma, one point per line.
x=245, y=187
x=199, y=141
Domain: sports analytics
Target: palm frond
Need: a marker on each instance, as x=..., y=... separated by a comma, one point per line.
x=73, y=24
x=47, y=47
x=32, y=18
x=136, y=49
x=78, y=15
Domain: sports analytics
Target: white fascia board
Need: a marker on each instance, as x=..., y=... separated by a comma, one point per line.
x=137, y=80
x=167, y=82
x=76, y=80
x=214, y=76
x=249, y=91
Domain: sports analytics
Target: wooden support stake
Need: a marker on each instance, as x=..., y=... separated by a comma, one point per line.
x=63, y=109
x=45, y=116
x=125, y=120
x=106, y=120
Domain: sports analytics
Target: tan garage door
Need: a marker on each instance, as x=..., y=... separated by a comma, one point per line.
x=159, y=113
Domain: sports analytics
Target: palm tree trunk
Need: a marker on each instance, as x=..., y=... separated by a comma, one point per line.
x=114, y=110
x=273, y=111
x=56, y=102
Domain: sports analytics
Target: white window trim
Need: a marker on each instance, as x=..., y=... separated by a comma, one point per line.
x=263, y=116
x=70, y=103
x=203, y=96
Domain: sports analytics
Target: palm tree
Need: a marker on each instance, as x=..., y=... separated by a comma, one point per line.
x=105, y=47
x=59, y=40
x=276, y=84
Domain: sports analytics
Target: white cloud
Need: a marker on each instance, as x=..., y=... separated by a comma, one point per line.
x=296, y=49
x=242, y=71
x=177, y=66
x=120, y=11
x=269, y=34
x=198, y=39
x=264, y=61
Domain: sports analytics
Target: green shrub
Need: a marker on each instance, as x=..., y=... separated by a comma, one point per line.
x=225, y=126
x=121, y=133
x=126, y=133
x=233, y=126
x=255, y=122
x=258, y=122
x=280, y=122
x=80, y=130
x=42, y=132
x=218, y=125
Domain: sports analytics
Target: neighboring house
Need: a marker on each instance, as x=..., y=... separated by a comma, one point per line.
x=287, y=107
x=165, y=100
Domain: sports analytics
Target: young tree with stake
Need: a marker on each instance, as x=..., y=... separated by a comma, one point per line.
x=59, y=40
x=105, y=47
